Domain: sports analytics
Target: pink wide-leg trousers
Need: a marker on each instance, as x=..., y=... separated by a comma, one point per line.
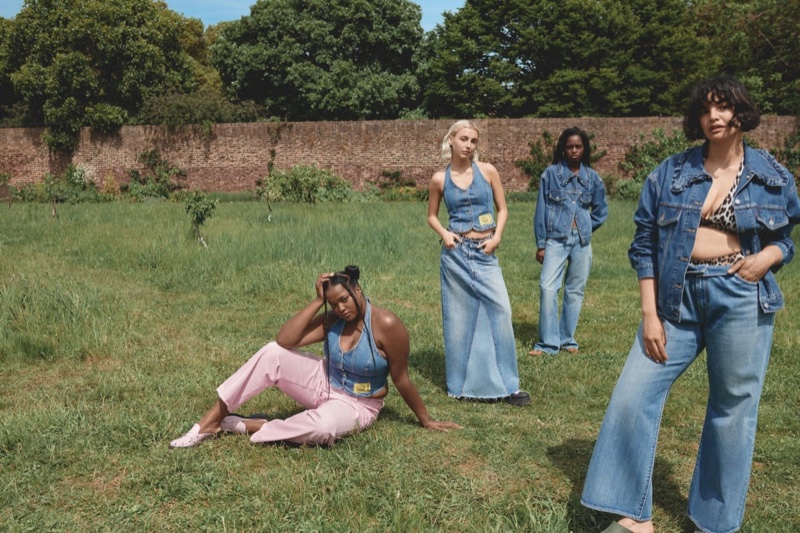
x=331, y=413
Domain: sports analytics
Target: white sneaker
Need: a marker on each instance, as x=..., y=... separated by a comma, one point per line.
x=191, y=439
x=236, y=423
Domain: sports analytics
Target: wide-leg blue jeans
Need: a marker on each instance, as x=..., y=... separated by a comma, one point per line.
x=479, y=348
x=719, y=312
x=556, y=332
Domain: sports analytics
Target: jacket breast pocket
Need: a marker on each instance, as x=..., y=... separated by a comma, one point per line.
x=667, y=220
x=771, y=218
x=556, y=197
x=586, y=199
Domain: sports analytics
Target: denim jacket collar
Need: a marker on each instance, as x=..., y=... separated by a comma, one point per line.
x=565, y=175
x=690, y=169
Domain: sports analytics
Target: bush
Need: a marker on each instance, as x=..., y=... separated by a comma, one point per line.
x=200, y=208
x=159, y=182
x=541, y=155
x=393, y=187
x=204, y=106
x=643, y=157
x=789, y=155
x=106, y=117
x=304, y=184
x=71, y=187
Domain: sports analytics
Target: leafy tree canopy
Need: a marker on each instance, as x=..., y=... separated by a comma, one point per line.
x=93, y=62
x=323, y=59
x=564, y=58
x=756, y=41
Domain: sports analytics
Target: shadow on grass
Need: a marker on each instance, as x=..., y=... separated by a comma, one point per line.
x=527, y=333
x=572, y=458
x=430, y=364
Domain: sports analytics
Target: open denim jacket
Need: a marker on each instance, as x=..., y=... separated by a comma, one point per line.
x=766, y=209
x=564, y=197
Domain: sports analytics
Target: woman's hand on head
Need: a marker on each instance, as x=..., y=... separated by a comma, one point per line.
x=318, y=286
x=441, y=425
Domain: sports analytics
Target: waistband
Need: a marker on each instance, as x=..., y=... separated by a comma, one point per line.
x=477, y=239
x=724, y=260
x=705, y=270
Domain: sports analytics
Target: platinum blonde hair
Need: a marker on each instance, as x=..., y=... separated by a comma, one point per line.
x=447, y=150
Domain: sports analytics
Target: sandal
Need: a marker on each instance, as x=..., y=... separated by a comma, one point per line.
x=191, y=439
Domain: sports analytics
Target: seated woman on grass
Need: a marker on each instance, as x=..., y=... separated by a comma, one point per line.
x=342, y=392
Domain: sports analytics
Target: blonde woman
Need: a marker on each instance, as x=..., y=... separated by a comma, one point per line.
x=479, y=346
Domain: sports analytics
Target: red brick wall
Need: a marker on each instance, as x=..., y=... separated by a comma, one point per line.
x=230, y=157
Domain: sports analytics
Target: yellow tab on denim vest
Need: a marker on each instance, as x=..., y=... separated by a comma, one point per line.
x=485, y=219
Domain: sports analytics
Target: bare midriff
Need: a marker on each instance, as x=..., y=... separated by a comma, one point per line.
x=712, y=243
x=473, y=234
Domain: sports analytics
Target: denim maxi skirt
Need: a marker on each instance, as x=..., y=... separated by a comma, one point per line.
x=479, y=349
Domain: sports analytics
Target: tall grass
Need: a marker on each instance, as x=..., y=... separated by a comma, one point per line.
x=116, y=326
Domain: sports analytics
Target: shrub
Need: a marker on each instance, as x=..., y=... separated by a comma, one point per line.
x=204, y=106
x=158, y=182
x=106, y=117
x=541, y=154
x=304, y=184
x=789, y=155
x=393, y=187
x=200, y=208
x=644, y=156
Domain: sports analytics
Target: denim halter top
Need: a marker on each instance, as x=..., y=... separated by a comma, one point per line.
x=361, y=371
x=471, y=208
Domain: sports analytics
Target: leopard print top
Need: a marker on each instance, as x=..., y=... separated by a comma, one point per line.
x=723, y=219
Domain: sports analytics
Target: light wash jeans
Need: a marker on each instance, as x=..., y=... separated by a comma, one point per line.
x=720, y=313
x=479, y=349
x=570, y=255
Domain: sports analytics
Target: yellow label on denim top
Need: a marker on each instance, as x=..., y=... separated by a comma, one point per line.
x=485, y=219
x=361, y=387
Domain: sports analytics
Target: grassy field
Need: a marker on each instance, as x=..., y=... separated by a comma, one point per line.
x=116, y=327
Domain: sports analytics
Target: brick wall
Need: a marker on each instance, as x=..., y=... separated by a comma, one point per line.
x=230, y=157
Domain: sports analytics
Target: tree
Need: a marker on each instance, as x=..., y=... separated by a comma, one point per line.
x=758, y=44
x=564, y=58
x=200, y=208
x=323, y=59
x=93, y=62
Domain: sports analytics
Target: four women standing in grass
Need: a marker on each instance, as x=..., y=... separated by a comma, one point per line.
x=342, y=392
x=480, y=350
x=571, y=206
x=712, y=226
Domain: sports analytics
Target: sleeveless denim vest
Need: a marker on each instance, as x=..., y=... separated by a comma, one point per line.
x=471, y=208
x=361, y=371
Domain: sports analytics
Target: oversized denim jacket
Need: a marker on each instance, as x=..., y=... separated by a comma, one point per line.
x=766, y=209
x=564, y=197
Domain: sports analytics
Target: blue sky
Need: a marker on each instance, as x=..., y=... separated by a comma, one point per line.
x=213, y=11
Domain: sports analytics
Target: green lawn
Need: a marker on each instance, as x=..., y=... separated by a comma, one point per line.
x=116, y=327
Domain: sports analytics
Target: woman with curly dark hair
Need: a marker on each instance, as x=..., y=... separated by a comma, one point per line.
x=712, y=227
